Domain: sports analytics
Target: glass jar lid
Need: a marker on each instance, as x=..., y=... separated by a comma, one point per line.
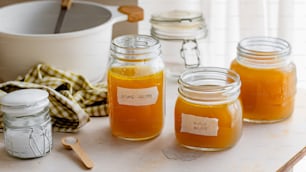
x=178, y=25
x=24, y=102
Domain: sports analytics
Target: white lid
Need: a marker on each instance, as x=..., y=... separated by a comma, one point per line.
x=24, y=102
x=178, y=25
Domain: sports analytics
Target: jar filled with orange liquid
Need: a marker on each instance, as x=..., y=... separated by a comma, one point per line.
x=268, y=79
x=136, y=87
x=208, y=114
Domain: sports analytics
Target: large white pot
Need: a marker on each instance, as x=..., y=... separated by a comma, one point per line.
x=26, y=38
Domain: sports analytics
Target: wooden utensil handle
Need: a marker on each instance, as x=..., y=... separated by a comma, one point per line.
x=289, y=165
x=66, y=4
x=133, y=12
x=83, y=156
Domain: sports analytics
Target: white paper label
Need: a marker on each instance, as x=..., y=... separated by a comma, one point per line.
x=199, y=125
x=137, y=97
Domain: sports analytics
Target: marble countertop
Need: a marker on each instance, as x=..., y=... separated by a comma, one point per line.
x=262, y=148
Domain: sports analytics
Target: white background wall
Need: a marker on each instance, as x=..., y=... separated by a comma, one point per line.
x=294, y=30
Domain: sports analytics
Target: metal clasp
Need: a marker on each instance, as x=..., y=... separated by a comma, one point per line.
x=38, y=140
x=190, y=53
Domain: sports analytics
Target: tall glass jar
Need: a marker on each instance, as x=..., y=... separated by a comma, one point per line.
x=136, y=87
x=27, y=124
x=268, y=79
x=179, y=32
x=208, y=114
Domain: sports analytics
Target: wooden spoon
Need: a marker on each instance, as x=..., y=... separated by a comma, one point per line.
x=74, y=144
x=65, y=5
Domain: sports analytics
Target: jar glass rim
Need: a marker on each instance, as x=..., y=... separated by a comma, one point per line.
x=264, y=46
x=210, y=84
x=263, y=51
x=135, y=47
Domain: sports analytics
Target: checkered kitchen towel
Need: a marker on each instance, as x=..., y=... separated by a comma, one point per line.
x=73, y=99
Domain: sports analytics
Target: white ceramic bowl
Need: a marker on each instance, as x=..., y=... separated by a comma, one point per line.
x=27, y=38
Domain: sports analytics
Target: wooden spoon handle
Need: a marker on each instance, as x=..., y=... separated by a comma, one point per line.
x=133, y=12
x=82, y=154
x=289, y=165
x=66, y=4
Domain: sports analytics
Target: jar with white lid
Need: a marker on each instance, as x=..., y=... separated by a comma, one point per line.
x=179, y=32
x=27, y=124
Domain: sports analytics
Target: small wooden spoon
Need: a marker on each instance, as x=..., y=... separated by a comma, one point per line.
x=73, y=143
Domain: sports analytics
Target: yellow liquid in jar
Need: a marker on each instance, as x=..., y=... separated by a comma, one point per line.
x=229, y=124
x=134, y=122
x=267, y=95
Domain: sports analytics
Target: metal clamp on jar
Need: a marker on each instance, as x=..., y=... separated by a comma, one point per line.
x=179, y=32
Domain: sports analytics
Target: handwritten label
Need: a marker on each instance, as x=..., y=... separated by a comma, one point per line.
x=199, y=125
x=137, y=97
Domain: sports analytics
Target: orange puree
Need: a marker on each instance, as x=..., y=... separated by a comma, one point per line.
x=229, y=117
x=132, y=119
x=267, y=95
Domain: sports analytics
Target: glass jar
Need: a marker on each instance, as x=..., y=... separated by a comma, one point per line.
x=268, y=79
x=179, y=32
x=208, y=114
x=136, y=87
x=27, y=124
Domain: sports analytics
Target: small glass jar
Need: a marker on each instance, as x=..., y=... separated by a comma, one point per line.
x=179, y=32
x=208, y=113
x=268, y=79
x=27, y=124
x=136, y=87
